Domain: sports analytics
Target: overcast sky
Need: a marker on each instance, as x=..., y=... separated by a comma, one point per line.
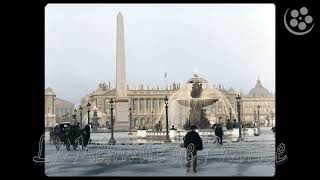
x=224, y=43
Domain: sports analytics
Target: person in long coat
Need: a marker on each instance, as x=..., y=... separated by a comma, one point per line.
x=193, y=143
x=219, y=133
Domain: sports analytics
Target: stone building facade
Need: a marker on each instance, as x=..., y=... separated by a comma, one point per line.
x=63, y=110
x=147, y=105
x=259, y=96
x=56, y=110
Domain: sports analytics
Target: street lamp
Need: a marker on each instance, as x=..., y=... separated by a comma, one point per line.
x=152, y=119
x=80, y=109
x=258, y=119
x=75, y=115
x=111, y=141
x=88, y=106
x=239, y=119
x=230, y=113
x=130, y=120
x=167, y=123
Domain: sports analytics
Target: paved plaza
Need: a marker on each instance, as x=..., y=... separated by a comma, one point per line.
x=130, y=157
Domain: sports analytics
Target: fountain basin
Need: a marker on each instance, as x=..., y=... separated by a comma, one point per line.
x=203, y=102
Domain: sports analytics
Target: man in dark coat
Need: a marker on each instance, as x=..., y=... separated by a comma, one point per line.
x=193, y=143
x=219, y=133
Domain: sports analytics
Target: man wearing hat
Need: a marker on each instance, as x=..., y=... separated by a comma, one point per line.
x=193, y=143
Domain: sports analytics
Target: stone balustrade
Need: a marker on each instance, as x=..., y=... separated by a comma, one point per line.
x=174, y=134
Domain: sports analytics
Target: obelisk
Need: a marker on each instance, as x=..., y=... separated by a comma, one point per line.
x=122, y=109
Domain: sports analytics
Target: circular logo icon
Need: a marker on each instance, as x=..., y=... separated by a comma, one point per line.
x=298, y=21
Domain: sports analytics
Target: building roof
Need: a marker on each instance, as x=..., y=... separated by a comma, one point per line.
x=259, y=91
x=62, y=101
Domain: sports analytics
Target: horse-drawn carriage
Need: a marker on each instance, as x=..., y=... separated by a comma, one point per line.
x=69, y=135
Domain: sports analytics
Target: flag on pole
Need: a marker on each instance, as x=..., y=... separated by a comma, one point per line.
x=165, y=75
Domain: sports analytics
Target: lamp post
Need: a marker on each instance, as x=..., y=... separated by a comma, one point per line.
x=240, y=138
x=167, y=123
x=130, y=120
x=111, y=141
x=258, y=119
x=152, y=119
x=230, y=113
x=75, y=115
x=88, y=107
x=80, y=109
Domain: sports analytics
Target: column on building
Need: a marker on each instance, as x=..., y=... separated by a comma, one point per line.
x=141, y=106
x=145, y=105
x=136, y=105
x=157, y=104
x=53, y=105
x=217, y=107
x=138, y=99
x=151, y=105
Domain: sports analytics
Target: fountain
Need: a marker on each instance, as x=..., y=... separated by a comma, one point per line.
x=197, y=103
x=191, y=101
x=188, y=106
